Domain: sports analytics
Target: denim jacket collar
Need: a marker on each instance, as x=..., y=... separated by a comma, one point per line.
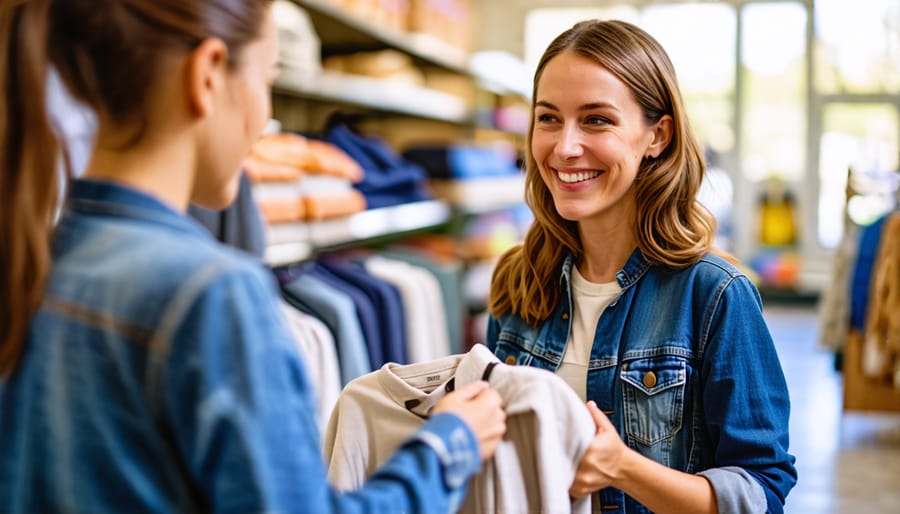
x=101, y=197
x=634, y=269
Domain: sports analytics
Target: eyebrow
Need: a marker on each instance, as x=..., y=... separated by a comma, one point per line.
x=584, y=107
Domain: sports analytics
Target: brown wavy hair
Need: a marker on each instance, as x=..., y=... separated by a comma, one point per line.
x=672, y=229
x=108, y=57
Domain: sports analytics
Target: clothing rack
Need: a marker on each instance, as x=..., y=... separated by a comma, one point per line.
x=877, y=389
x=862, y=391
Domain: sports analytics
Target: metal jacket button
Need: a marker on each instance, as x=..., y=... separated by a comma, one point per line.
x=650, y=379
x=510, y=359
x=565, y=315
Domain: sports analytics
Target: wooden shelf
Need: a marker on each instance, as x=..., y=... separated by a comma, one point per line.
x=862, y=393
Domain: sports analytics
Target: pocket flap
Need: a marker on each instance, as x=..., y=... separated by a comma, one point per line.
x=655, y=374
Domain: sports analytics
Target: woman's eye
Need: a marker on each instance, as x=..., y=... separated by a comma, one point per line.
x=546, y=118
x=597, y=120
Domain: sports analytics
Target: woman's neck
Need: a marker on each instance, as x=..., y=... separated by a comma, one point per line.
x=607, y=247
x=161, y=166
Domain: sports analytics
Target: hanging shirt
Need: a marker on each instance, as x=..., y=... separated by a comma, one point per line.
x=426, y=323
x=548, y=430
x=590, y=300
x=316, y=346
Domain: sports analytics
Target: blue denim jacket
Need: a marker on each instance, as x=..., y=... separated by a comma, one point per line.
x=685, y=367
x=159, y=377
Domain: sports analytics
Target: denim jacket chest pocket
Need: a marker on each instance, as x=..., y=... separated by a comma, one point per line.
x=653, y=393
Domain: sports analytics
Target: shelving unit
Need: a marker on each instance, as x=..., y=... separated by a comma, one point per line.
x=400, y=114
x=342, y=32
x=374, y=94
x=478, y=196
x=294, y=242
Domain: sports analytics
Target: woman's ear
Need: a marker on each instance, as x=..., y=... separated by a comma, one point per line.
x=662, y=134
x=206, y=68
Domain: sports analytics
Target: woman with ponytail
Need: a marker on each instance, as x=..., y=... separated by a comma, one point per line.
x=143, y=366
x=618, y=290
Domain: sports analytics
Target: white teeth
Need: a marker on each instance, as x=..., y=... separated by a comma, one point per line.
x=571, y=178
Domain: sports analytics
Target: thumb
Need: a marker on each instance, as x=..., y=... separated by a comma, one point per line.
x=472, y=390
x=600, y=420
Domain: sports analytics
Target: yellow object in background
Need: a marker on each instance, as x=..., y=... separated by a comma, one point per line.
x=777, y=226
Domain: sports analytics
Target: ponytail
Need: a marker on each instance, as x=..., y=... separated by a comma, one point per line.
x=29, y=181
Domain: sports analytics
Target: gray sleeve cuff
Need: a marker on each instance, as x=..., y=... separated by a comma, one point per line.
x=737, y=492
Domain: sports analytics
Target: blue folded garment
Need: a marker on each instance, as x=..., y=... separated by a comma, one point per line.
x=389, y=179
x=462, y=162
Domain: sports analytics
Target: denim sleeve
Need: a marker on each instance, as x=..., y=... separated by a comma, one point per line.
x=745, y=404
x=493, y=332
x=235, y=400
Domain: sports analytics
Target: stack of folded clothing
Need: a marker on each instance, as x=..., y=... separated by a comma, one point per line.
x=464, y=161
x=301, y=179
x=389, y=178
x=389, y=65
x=299, y=46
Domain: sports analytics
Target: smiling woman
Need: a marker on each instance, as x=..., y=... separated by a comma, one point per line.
x=617, y=289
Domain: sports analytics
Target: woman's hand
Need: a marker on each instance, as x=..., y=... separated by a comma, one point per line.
x=600, y=465
x=608, y=461
x=482, y=409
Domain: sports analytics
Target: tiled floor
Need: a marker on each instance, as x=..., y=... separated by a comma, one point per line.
x=847, y=462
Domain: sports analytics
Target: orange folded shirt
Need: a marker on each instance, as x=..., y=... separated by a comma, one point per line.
x=282, y=210
x=328, y=159
x=332, y=205
x=259, y=170
x=287, y=149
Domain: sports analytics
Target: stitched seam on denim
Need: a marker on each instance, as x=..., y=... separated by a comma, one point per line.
x=602, y=363
x=696, y=423
x=528, y=347
x=96, y=319
x=710, y=315
x=659, y=388
x=565, y=271
x=522, y=342
x=662, y=351
x=733, y=273
x=171, y=318
x=629, y=278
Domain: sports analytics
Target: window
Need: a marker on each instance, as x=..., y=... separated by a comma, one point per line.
x=773, y=51
x=857, y=46
x=862, y=137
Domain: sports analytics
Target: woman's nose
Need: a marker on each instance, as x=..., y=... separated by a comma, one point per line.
x=568, y=143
